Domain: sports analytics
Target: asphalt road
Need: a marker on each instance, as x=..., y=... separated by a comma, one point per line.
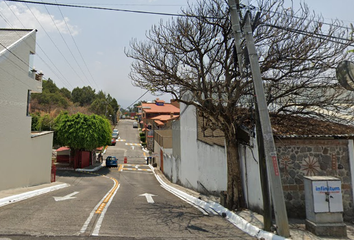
x=126, y=202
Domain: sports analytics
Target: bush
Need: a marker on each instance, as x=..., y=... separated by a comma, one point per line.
x=143, y=138
x=35, y=120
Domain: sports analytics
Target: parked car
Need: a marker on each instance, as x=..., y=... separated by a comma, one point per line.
x=115, y=135
x=111, y=161
x=135, y=124
x=116, y=131
x=113, y=142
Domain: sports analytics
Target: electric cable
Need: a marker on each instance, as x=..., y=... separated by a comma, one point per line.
x=112, y=9
x=77, y=47
x=139, y=98
x=66, y=44
x=61, y=53
x=37, y=54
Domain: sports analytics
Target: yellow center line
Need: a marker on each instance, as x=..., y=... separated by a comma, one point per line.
x=107, y=198
x=120, y=167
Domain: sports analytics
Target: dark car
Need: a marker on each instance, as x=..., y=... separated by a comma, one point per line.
x=111, y=161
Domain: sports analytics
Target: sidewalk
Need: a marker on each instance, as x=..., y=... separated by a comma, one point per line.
x=249, y=221
x=246, y=220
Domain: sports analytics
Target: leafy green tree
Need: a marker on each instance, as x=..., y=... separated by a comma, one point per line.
x=114, y=104
x=65, y=93
x=51, y=97
x=101, y=95
x=83, y=132
x=34, y=122
x=101, y=107
x=45, y=123
x=50, y=86
x=61, y=116
x=84, y=96
x=105, y=105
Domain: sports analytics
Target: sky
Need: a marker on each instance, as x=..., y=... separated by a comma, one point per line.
x=85, y=47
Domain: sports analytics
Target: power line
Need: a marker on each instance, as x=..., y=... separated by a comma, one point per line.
x=113, y=9
x=82, y=58
x=38, y=55
x=314, y=35
x=314, y=21
x=99, y=8
x=139, y=98
x=66, y=44
x=55, y=44
x=307, y=33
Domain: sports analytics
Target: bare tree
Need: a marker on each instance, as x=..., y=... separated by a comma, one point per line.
x=195, y=53
x=298, y=55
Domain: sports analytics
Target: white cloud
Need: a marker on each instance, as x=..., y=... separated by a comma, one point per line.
x=20, y=16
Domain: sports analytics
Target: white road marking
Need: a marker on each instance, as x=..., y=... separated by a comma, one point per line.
x=100, y=220
x=67, y=197
x=88, y=220
x=148, y=197
x=132, y=144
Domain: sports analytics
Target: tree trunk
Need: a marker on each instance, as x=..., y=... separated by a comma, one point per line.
x=235, y=197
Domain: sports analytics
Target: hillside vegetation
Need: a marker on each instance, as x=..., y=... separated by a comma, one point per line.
x=46, y=106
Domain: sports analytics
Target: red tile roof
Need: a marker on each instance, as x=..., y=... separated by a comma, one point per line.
x=159, y=123
x=165, y=117
x=63, y=149
x=153, y=108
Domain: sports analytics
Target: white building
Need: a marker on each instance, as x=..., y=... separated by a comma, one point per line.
x=25, y=157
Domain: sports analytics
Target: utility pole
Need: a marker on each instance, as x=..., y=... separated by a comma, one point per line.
x=268, y=140
x=267, y=205
x=236, y=28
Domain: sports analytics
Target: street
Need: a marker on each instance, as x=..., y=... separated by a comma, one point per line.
x=126, y=202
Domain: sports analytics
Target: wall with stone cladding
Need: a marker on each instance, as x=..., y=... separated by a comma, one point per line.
x=301, y=157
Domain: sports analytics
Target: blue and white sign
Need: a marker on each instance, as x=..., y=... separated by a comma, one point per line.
x=327, y=196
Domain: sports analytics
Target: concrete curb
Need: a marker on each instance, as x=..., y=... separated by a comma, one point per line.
x=210, y=207
x=26, y=195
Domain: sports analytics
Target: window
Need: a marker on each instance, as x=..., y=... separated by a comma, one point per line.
x=28, y=103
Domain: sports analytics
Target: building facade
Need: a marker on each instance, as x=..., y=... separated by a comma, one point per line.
x=26, y=157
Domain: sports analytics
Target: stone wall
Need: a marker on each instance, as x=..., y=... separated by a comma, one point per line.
x=299, y=157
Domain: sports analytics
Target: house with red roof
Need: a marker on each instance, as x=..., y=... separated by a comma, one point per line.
x=157, y=115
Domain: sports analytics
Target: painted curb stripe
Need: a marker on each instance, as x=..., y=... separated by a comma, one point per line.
x=26, y=195
x=233, y=218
